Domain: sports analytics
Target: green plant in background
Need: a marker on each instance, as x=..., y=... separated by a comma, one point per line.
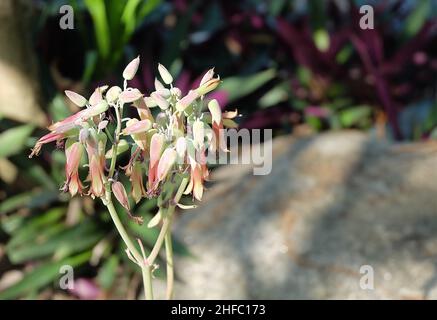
x=114, y=23
x=170, y=150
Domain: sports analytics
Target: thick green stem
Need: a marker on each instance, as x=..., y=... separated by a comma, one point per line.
x=166, y=222
x=170, y=268
x=147, y=282
x=145, y=267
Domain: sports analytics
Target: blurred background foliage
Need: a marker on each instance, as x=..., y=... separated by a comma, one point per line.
x=293, y=66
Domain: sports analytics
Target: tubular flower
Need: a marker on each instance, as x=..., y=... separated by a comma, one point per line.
x=135, y=173
x=156, y=147
x=166, y=162
x=50, y=137
x=196, y=181
x=96, y=166
x=73, y=154
x=217, y=126
x=137, y=130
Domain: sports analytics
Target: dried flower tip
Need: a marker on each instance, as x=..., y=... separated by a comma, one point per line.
x=165, y=75
x=208, y=86
x=208, y=76
x=76, y=98
x=131, y=69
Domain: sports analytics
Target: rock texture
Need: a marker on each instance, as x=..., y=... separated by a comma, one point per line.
x=332, y=204
x=19, y=83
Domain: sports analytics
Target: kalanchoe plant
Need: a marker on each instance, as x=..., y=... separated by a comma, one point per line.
x=168, y=153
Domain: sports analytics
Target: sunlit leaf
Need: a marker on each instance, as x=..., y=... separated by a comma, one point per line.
x=12, y=141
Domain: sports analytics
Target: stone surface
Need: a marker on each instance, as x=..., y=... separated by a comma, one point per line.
x=332, y=204
x=19, y=83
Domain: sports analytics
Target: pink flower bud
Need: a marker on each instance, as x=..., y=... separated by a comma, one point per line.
x=136, y=179
x=130, y=95
x=182, y=104
x=166, y=162
x=165, y=75
x=198, y=133
x=73, y=153
x=96, y=176
x=158, y=85
x=96, y=97
x=135, y=126
x=96, y=110
x=156, y=146
x=120, y=194
x=131, y=69
x=216, y=111
x=207, y=76
x=76, y=98
x=150, y=102
x=137, y=130
x=113, y=93
x=208, y=86
x=165, y=93
x=159, y=100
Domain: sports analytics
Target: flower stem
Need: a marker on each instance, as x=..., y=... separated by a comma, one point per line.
x=145, y=266
x=170, y=268
x=166, y=222
x=147, y=282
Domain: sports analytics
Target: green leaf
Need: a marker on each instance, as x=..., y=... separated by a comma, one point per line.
x=90, y=66
x=97, y=9
x=31, y=227
x=12, y=141
x=417, y=17
x=321, y=39
x=274, y=96
x=238, y=87
x=178, y=36
x=355, y=115
x=15, y=202
x=108, y=272
x=78, y=238
x=42, y=276
x=37, y=173
x=129, y=18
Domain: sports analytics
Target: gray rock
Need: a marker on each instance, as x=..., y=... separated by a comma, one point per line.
x=19, y=81
x=332, y=204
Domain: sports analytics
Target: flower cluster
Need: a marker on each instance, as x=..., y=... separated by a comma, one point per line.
x=170, y=136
